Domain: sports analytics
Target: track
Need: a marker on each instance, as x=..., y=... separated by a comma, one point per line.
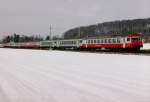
x=125, y=52
x=106, y=51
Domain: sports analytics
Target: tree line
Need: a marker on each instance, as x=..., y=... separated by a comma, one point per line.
x=20, y=38
x=24, y=38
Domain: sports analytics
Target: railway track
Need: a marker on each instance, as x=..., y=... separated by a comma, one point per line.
x=106, y=51
x=140, y=52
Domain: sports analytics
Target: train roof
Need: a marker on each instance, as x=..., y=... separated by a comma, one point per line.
x=115, y=36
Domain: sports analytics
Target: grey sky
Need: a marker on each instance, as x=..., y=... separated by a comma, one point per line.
x=35, y=16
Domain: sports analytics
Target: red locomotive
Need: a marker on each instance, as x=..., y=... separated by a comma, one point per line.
x=133, y=41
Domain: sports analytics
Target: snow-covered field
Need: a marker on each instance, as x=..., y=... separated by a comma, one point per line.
x=146, y=46
x=57, y=76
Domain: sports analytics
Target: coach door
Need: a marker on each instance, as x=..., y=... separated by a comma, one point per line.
x=124, y=42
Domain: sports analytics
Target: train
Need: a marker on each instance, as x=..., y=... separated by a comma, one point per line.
x=132, y=41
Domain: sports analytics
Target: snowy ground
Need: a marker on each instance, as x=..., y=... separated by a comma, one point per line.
x=57, y=76
x=146, y=46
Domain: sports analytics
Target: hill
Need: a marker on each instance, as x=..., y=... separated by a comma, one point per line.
x=113, y=28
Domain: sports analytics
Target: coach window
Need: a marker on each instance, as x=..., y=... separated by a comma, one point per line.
x=118, y=40
x=102, y=41
x=109, y=41
x=114, y=40
x=91, y=41
x=105, y=40
x=80, y=41
x=94, y=41
x=88, y=41
x=98, y=41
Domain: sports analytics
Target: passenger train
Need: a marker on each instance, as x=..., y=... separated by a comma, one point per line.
x=132, y=41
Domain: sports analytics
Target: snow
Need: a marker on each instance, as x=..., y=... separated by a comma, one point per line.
x=58, y=76
x=146, y=46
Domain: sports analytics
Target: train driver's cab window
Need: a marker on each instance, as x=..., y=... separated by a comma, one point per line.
x=128, y=39
x=135, y=38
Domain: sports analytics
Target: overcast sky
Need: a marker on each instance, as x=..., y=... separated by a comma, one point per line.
x=35, y=16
